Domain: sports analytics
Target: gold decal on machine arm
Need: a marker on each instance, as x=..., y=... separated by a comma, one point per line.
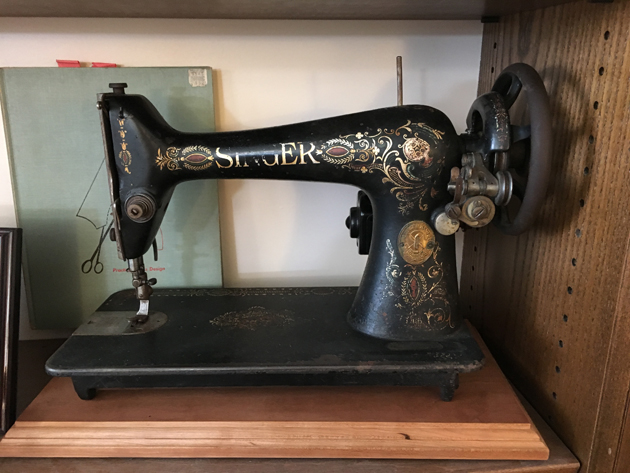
x=238, y=162
x=124, y=155
x=391, y=151
x=273, y=163
x=406, y=156
x=308, y=153
x=288, y=153
x=224, y=156
x=168, y=159
x=416, y=242
x=194, y=158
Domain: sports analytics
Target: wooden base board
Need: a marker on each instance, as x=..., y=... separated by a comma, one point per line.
x=485, y=420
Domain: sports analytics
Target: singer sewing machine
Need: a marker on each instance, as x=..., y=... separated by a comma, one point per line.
x=419, y=183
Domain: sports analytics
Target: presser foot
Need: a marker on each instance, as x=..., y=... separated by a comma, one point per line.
x=143, y=289
x=142, y=315
x=138, y=320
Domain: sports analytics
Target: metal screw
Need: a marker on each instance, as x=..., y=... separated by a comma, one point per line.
x=453, y=211
x=479, y=211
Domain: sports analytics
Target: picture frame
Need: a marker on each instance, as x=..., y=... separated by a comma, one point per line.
x=10, y=278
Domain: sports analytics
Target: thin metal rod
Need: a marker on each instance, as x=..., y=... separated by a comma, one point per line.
x=399, y=78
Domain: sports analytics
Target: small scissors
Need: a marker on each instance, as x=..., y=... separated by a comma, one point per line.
x=89, y=264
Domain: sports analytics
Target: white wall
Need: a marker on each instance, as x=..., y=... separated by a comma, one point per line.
x=272, y=73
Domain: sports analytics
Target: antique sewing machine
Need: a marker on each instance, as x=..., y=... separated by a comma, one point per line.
x=419, y=183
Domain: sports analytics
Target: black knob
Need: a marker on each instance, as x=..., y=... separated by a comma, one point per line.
x=360, y=223
x=118, y=87
x=353, y=222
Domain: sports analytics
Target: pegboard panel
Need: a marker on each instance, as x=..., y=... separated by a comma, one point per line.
x=554, y=303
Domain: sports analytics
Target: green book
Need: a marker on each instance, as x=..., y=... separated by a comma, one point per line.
x=61, y=194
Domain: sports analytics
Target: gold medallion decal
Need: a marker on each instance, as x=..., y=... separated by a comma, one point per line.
x=416, y=242
x=417, y=150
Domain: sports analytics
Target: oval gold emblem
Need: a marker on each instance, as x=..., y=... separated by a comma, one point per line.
x=416, y=242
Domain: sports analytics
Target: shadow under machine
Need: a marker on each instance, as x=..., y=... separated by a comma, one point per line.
x=419, y=182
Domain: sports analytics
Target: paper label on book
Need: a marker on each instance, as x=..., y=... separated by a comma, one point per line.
x=198, y=77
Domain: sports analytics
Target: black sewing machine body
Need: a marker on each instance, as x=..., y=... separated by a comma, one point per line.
x=400, y=157
x=408, y=329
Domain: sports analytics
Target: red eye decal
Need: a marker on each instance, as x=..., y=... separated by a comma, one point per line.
x=413, y=288
x=337, y=151
x=195, y=158
x=125, y=156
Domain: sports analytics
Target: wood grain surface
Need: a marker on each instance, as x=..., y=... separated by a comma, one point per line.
x=560, y=461
x=553, y=303
x=272, y=9
x=484, y=421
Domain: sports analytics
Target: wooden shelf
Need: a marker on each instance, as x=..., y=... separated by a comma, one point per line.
x=34, y=353
x=553, y=303
x=274, y=9
x=485, y=420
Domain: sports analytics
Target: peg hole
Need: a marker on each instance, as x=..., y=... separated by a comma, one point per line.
x=582, y=202
x=495, y=44
x=578, y=232
x=586, y=171
x=574, y=261
x=475, y=248
x=471, y=288
x=591, y=139
x=596, y=105
x=472, y=267
x=565, y=317
x=606, y=36
x=570, y=290
x=557, y=369
x=601, y=71
x=492, y=70
x=560, y=343
x=554, y=395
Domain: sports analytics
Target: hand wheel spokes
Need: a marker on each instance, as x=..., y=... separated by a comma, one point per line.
x=530, y=143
